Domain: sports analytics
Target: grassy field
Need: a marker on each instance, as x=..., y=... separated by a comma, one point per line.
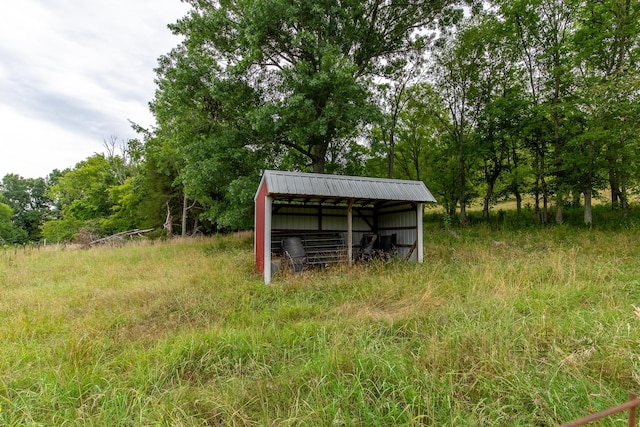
x=495, y=328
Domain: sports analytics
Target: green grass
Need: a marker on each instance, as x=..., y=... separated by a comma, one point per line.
x=495, y=328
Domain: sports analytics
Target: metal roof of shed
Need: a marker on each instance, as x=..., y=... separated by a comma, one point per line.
x=305, y=187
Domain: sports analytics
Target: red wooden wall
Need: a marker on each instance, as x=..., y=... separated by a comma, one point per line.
x=260, y=225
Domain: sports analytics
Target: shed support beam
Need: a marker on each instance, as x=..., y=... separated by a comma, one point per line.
x=267, y=239
x=419, y=214
x=350, y=232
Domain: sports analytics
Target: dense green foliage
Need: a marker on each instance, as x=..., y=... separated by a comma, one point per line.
x=27, y=206
x=495, y=328
x=532, y=101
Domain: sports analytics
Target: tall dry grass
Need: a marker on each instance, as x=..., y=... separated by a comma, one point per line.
x=520, y=328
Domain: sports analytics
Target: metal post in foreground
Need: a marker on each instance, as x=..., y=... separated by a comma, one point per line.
x=630, y=405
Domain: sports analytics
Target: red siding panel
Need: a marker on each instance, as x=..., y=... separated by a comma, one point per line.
x=260, y=225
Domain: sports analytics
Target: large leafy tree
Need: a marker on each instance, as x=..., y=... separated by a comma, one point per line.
x=83, y=191
x=8, y=232
x=608, y=50
x=418, y=130
x=500, y=105
x=542, y=36
x=424, y=149
x=96, y=197
x=203, y=143
x=280, y=84
x=459, y=63
x=29, y=203
x=310, y=61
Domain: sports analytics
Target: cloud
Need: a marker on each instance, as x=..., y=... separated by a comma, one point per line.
x=34, y=148
x=73, y=74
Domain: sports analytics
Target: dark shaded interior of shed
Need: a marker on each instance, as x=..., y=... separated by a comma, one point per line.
x=314, y=231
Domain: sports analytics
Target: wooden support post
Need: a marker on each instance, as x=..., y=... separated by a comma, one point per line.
x=350, y=232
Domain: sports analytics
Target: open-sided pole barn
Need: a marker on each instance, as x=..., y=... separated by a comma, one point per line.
x=333, y=218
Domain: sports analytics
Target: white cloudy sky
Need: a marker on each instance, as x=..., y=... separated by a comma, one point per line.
x=72, y=73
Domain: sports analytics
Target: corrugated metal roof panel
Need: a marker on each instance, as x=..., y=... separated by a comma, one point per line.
x=309, y=185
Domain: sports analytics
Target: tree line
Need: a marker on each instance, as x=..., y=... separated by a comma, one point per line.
x=533, y=100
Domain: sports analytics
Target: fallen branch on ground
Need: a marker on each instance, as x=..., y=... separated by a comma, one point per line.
x=121, y=236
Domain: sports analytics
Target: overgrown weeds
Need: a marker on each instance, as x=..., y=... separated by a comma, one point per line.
x=494, y=328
